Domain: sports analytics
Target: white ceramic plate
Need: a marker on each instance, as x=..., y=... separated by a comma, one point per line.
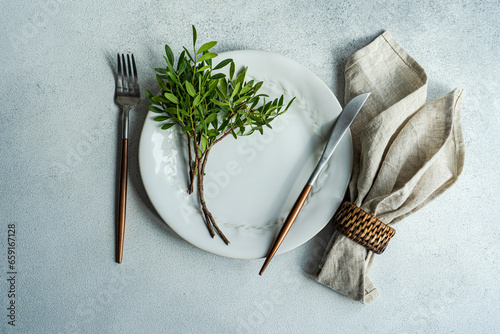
x=251, y=183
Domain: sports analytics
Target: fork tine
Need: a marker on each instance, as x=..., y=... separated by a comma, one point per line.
x=130, y=78
x=125, y=75
x=136, y=79
x=129, y=65
x=119, y=85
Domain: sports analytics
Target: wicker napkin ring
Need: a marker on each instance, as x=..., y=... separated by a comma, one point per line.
x=362, y=227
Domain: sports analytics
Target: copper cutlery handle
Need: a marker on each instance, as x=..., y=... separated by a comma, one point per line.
x=127, y=96
x=122, y=201
x=287, y=225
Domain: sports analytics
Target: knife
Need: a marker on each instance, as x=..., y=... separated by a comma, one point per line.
x=340, y=128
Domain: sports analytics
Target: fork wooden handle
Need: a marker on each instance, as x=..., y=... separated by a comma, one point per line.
x=122, y=206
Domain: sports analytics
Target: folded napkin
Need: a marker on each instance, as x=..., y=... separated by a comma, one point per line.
x=405, y=153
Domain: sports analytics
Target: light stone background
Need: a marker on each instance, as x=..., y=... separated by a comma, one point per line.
x=58, y=149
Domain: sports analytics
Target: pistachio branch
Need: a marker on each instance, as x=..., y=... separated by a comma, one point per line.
x=191, y=167
x=208, y=214
x=208, y=107
x=208, y=223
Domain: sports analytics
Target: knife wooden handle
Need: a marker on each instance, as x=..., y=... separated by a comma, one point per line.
x=122, y=205
x=299, y=203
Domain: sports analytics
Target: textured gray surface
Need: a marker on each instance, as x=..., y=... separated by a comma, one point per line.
x=58, y=148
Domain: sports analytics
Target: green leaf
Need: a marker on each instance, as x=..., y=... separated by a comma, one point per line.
x=226, y=109
x=254, y=103
x=155, y=109
x=182, y=111
x=159, y=98
x=169, y=64
x=149, y=95
x=172, y=98
x=246, y=88
x=170, y=54
x=219, y=93
x=167, y=126
x=161, y=83
x=206, y=47
x=241, y=76
x=211, y=87
x=211, y=118
x=189, y=55
x=252, y=117
x=205, y=95
x=161, y=70
x=218, y=76
x=195, y=35
x=212, y=133
x=182, y=65
x=190, y=89
x=197, y=100
x=219, y=103
x=172, y=76
x=224, y=124
x=181, y=60
x=257, y=86
x=160, y=118
x=199, y=127
x=201, y=69
x=206, y=56
x=231, y=70
x=215, y=122
x=236, y=90
x=241, y=99
x=222, y=64
x=289, y=103
x=223, y=86
x=203, y=142
x=172, y=111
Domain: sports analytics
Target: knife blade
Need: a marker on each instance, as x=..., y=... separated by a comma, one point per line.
x=341, y=126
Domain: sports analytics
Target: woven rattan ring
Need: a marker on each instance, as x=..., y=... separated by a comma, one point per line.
x=362, y=227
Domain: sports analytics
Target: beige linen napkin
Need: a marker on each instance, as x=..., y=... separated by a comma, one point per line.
x=405, y=153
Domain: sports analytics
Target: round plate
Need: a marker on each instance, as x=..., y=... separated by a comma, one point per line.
x=252, y=182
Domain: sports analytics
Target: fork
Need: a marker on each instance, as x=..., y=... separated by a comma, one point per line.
x=127, y=96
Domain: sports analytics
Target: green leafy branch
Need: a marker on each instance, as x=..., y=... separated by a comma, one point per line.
x=208, y=106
